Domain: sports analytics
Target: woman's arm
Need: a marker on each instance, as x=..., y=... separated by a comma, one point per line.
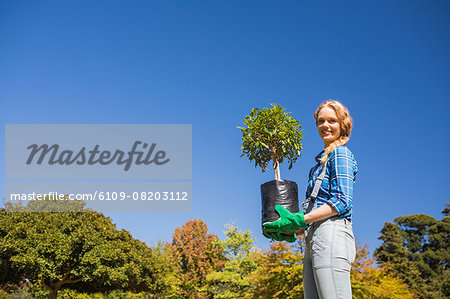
x=342, y=177
x=323, y=212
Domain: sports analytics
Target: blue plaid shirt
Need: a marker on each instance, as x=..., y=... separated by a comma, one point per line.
x=337, y=185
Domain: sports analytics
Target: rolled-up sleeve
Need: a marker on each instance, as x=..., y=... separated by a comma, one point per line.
x=342, y=176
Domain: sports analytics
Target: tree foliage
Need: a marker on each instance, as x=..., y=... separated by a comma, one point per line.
x=394, y=254
x=233, y=281
x=76, y=250
x=416, y=248
x=271, y=135
x=371, y=281
x=82, y=254
x=280, y=273
x=196, y=253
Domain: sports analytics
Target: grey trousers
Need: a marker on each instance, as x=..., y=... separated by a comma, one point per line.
x=330, y=252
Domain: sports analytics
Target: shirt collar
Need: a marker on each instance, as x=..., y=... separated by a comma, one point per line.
x=320, y=155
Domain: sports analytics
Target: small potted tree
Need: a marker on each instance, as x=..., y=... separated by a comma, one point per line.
x=270, y=137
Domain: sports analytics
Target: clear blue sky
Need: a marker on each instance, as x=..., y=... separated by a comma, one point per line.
x=207, y=63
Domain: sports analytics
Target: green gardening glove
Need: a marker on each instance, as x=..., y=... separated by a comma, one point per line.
x=288, y=221
x=280, y=237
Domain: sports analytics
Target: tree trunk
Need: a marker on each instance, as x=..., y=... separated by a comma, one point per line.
x=276, y=169
x=276, y=165
x=53, y=288
x=52, y=294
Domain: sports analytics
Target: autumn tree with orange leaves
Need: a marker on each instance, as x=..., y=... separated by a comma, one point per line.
x=196, y=253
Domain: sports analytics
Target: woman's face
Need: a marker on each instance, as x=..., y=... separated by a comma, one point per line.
x=328, y=125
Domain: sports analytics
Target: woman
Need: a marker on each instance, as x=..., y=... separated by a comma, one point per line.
x=327, y=211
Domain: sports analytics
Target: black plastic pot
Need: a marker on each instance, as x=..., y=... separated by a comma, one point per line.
x=284, y=193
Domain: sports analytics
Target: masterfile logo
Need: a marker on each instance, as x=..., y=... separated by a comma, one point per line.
x=94, y=156
x=144, y=151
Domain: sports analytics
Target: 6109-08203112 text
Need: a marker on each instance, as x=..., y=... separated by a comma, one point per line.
x=105, y=157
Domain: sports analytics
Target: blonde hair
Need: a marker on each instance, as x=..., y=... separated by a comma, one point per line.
x=345, y=123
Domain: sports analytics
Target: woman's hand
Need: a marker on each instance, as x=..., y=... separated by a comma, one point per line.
x=288, y=221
